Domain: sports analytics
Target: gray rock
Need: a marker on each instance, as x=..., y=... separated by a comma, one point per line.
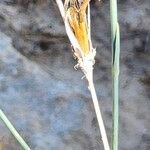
x=45, y=98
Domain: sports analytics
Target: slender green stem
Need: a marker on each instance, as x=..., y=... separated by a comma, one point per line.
x=115, y=36
x=13, y=131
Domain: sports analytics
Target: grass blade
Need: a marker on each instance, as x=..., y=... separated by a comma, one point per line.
x=13, y=131
x=115, y=36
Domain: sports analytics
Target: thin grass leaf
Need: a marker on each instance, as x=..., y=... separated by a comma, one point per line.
x=115, y=36
x=13, y=131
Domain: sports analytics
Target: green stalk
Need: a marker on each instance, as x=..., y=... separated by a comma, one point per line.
x=115, y=36
x=13, y=131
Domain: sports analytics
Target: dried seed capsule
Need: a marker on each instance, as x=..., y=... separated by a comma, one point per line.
x=76, y=13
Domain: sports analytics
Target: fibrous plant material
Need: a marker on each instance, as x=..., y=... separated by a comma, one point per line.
x=74, y=14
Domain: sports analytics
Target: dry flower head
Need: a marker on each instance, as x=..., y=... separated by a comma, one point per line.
x=76, y=16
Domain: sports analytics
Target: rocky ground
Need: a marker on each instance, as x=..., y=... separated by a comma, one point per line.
x=45, y=98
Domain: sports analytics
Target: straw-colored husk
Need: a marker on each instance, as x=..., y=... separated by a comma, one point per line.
x=84, y=54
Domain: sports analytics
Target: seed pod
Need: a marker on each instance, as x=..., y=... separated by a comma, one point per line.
x=76, y=15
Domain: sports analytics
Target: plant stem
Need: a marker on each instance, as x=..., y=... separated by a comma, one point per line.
x=86, y=64
x=89, y=77
x=115, y=36
x=13, y=131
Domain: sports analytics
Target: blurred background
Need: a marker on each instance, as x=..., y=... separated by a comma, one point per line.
x=46, y=99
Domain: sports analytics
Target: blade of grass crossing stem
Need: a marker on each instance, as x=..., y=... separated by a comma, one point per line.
x=115, y=36
x=13, y=131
